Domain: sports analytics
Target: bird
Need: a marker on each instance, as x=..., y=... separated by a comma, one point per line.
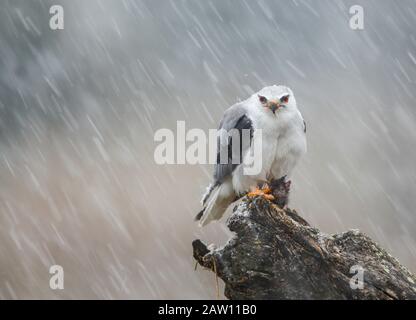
x=273, y=109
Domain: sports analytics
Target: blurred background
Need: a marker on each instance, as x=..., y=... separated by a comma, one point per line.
x=79, y=108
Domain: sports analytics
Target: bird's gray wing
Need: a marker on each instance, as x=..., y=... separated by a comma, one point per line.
x=235, y=119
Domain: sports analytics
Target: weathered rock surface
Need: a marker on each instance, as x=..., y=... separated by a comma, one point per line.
x=276, y=254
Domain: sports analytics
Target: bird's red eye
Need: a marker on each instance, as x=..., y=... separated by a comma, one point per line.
x=262, y=99
x=285, y=99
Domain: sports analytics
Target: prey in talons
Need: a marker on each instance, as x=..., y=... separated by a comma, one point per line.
x=276, y=191
x=264, y=191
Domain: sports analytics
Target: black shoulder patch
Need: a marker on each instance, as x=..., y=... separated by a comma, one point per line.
x=304, y=126
x=224, y=170
x=244, y=123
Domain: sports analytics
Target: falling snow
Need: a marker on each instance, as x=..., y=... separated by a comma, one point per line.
x=79, y=108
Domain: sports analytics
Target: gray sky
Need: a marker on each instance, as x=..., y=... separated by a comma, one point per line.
x=79, y=108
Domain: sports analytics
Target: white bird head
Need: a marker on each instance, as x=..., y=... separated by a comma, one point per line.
x=277, y=99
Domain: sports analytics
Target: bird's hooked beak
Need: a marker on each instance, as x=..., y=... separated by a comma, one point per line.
x=274, y=105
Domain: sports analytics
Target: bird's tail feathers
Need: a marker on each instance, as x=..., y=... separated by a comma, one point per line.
x=199, y=215
x=205, y=198
x=221, y=196
x=208, y=192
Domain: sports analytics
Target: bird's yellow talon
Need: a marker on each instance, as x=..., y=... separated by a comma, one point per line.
x=269, y=197
x=256, y=192
x=264, y=192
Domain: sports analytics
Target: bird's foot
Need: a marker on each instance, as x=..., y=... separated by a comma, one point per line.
x=264, y=192
x=281, y=184
x=280, y=190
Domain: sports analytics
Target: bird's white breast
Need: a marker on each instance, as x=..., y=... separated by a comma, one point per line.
x=283, y=143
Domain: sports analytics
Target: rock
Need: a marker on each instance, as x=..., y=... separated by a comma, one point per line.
x=276, y=254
